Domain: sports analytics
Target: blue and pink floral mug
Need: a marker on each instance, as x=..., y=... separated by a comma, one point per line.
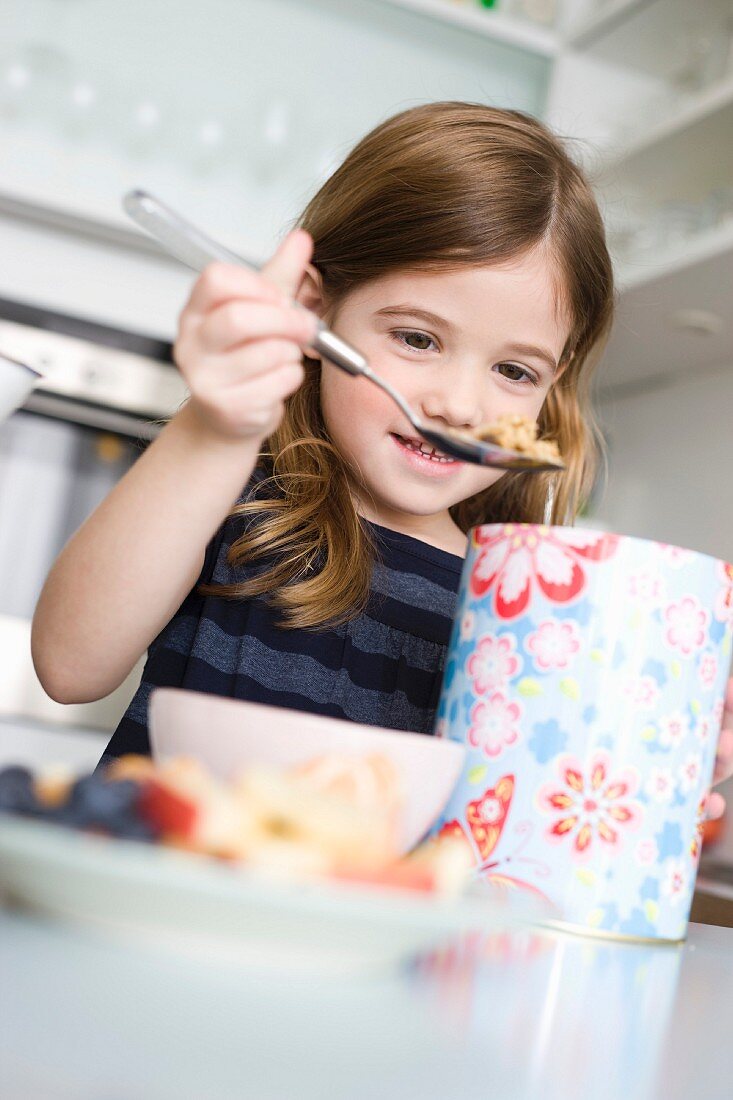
x=586, y=675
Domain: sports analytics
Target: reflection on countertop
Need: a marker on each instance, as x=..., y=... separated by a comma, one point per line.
x=520, y=1016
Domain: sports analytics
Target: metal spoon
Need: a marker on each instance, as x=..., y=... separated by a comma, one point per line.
x=187, y=243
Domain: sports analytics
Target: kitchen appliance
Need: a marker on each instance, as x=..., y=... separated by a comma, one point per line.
x=16, y=382
x=93, y=374
x=103, y=395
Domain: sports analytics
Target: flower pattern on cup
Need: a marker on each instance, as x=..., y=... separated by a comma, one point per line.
x=673, y=728
x=591, y=807
x=687, y=626
x=674, y=880
x=642, y=691
x=510, y=562
x=493, y=663
x=724, y=599
x=708, y=671
x=646, y=587
x=553, y=644
x=696, y=845
x=690, y=772
x=675, y=555
x=468, y=621
x=702, y=728
x=660, y=785
x=647, y=852
x=493, y=724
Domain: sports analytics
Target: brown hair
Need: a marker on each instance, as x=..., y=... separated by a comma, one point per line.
x=432, y=188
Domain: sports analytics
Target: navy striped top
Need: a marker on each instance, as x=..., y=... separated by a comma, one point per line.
x=383, y=668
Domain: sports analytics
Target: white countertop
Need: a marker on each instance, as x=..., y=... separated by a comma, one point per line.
x=541, y=1017
x=37, y=744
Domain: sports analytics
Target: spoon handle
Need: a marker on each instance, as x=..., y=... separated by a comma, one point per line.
x=192, y=247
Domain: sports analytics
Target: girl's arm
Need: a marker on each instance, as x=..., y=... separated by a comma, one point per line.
x=126, y=571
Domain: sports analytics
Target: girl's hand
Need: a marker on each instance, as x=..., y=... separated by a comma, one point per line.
x=239, y=342
x=724, y=758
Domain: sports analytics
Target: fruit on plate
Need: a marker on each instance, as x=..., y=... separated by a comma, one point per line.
x=368, y=782
x=334, y=815
x=88, y=802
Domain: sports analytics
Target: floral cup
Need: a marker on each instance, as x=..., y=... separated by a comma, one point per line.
x=586, y=674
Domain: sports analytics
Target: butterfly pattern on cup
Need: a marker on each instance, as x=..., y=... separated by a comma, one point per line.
x=485, y=820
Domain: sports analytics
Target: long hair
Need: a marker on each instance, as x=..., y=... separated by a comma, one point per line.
x=432, y=188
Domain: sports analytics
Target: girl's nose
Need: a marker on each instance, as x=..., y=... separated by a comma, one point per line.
x=453, y=399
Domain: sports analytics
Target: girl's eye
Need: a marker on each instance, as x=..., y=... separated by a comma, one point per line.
x=416, y=341
x=514, y=373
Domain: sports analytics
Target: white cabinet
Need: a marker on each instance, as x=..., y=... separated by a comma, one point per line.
x=233, y=111
x=500, y=24
x=655, y=81
x=644, y=88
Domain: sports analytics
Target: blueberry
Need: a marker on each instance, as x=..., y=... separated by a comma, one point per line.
x=133, y=829
x=17, y=794
x=97, y=801
x=67, y=814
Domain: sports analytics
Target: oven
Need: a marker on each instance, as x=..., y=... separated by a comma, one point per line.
x=105, y=393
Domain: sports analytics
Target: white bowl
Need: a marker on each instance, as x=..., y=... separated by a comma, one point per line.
x=229, y=735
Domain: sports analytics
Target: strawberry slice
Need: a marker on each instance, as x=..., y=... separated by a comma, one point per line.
x=404, y=875
x=166, y=810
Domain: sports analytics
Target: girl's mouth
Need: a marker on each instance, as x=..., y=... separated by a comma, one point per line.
x=423, y=456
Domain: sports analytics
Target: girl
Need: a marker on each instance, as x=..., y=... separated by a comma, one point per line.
x=286, y=539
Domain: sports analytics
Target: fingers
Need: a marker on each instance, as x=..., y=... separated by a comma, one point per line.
x=261, y=357
x=277, y=282
x=238, y=321
x=273, y=387
x=252, y=410
x=249, y=364
x=219, y=283
x=724, y=756
x=729, y=701
x=286, y=268
x=715, y=806
x=240, y=338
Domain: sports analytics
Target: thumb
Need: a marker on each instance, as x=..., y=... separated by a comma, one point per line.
x=287, y=266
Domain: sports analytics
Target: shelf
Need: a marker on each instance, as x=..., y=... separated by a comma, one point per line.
x=713, y=244
x=490, y=24
x=81, y=222
x=647, y=347
x=602, y=22
x=73, y=189
x=715, y=100
x=656, y=38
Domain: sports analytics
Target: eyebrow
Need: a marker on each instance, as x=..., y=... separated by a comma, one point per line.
x=538, y=353
x=415, y=311
x=433, y=319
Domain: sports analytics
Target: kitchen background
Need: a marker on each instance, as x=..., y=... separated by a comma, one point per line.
x=233, y=111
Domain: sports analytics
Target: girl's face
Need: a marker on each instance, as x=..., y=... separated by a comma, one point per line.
x=462, y=347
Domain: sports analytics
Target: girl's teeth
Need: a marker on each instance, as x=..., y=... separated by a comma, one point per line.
x=426, y=450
